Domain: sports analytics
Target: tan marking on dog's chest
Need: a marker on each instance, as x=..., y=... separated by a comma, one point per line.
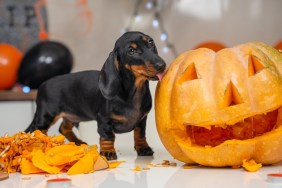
x=119, y=118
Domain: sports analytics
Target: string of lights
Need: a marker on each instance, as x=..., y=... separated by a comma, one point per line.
x=157, y=22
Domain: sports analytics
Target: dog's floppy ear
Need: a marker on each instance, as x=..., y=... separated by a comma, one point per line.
x=109, y=79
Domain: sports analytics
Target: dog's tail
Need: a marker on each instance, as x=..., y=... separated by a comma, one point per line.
x=31, y=127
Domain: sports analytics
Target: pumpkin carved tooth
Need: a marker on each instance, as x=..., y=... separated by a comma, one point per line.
x=254, y=65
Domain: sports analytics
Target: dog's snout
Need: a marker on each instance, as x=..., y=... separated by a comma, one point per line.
x=160, y=66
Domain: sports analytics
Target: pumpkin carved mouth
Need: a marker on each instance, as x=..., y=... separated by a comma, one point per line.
x=248, y=128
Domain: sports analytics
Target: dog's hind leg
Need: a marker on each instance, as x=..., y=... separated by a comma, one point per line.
x=66, y=130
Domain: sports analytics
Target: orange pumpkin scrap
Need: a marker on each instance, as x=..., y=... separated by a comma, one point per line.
x=115, y=164
x=220, y=108
x=14, y=147
x=37, y=153
x=101, y=163
x=137, y=168
x=251, y=165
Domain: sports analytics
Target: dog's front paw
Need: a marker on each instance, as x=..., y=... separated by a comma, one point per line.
x=144, y=151
x=110, y=155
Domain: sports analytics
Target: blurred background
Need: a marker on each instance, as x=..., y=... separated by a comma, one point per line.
x=43, y=38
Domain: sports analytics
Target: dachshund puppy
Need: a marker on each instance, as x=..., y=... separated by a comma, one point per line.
x=117, y=97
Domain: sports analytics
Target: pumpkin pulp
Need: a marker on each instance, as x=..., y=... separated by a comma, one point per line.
x=248, y=128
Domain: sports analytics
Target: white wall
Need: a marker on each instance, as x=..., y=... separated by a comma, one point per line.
x=15, y=116
x=188, y=22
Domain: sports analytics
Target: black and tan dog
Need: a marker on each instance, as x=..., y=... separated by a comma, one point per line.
x=117, y=97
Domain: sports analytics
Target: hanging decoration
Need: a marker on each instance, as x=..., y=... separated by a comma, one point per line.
x=86, y=13
x=24, y=23
x=19, y=22
x=39, y=4
x=155, y=7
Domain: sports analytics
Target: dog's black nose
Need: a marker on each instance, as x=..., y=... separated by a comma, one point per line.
x=160, y=66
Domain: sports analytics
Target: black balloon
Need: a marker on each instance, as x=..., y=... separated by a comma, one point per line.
x=44, y=61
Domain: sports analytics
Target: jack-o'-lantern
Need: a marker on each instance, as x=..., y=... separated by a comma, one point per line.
x=220, y=108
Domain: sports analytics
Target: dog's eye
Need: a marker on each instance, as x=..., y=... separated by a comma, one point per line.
x=131, y=51
x=150, y=43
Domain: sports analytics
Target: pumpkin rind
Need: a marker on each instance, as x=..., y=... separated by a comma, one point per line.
x=222, y=89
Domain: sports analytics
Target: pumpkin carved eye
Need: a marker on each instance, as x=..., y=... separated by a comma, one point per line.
x=190, y=73
x=254, y=65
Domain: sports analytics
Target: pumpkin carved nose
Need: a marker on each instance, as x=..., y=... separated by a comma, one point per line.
x=232, y=96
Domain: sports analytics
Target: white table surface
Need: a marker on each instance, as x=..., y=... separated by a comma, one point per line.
x=155, y=177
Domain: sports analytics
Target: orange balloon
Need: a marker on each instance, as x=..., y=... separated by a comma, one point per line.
x=213, y=45
x=278, y=46
x=10, y=58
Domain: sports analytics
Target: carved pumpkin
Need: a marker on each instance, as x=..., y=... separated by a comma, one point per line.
x=220, y=108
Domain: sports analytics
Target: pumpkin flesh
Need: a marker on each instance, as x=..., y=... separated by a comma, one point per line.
x=249, y=128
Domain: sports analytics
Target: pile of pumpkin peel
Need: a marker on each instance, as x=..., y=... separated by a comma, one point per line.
x=32, y=153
